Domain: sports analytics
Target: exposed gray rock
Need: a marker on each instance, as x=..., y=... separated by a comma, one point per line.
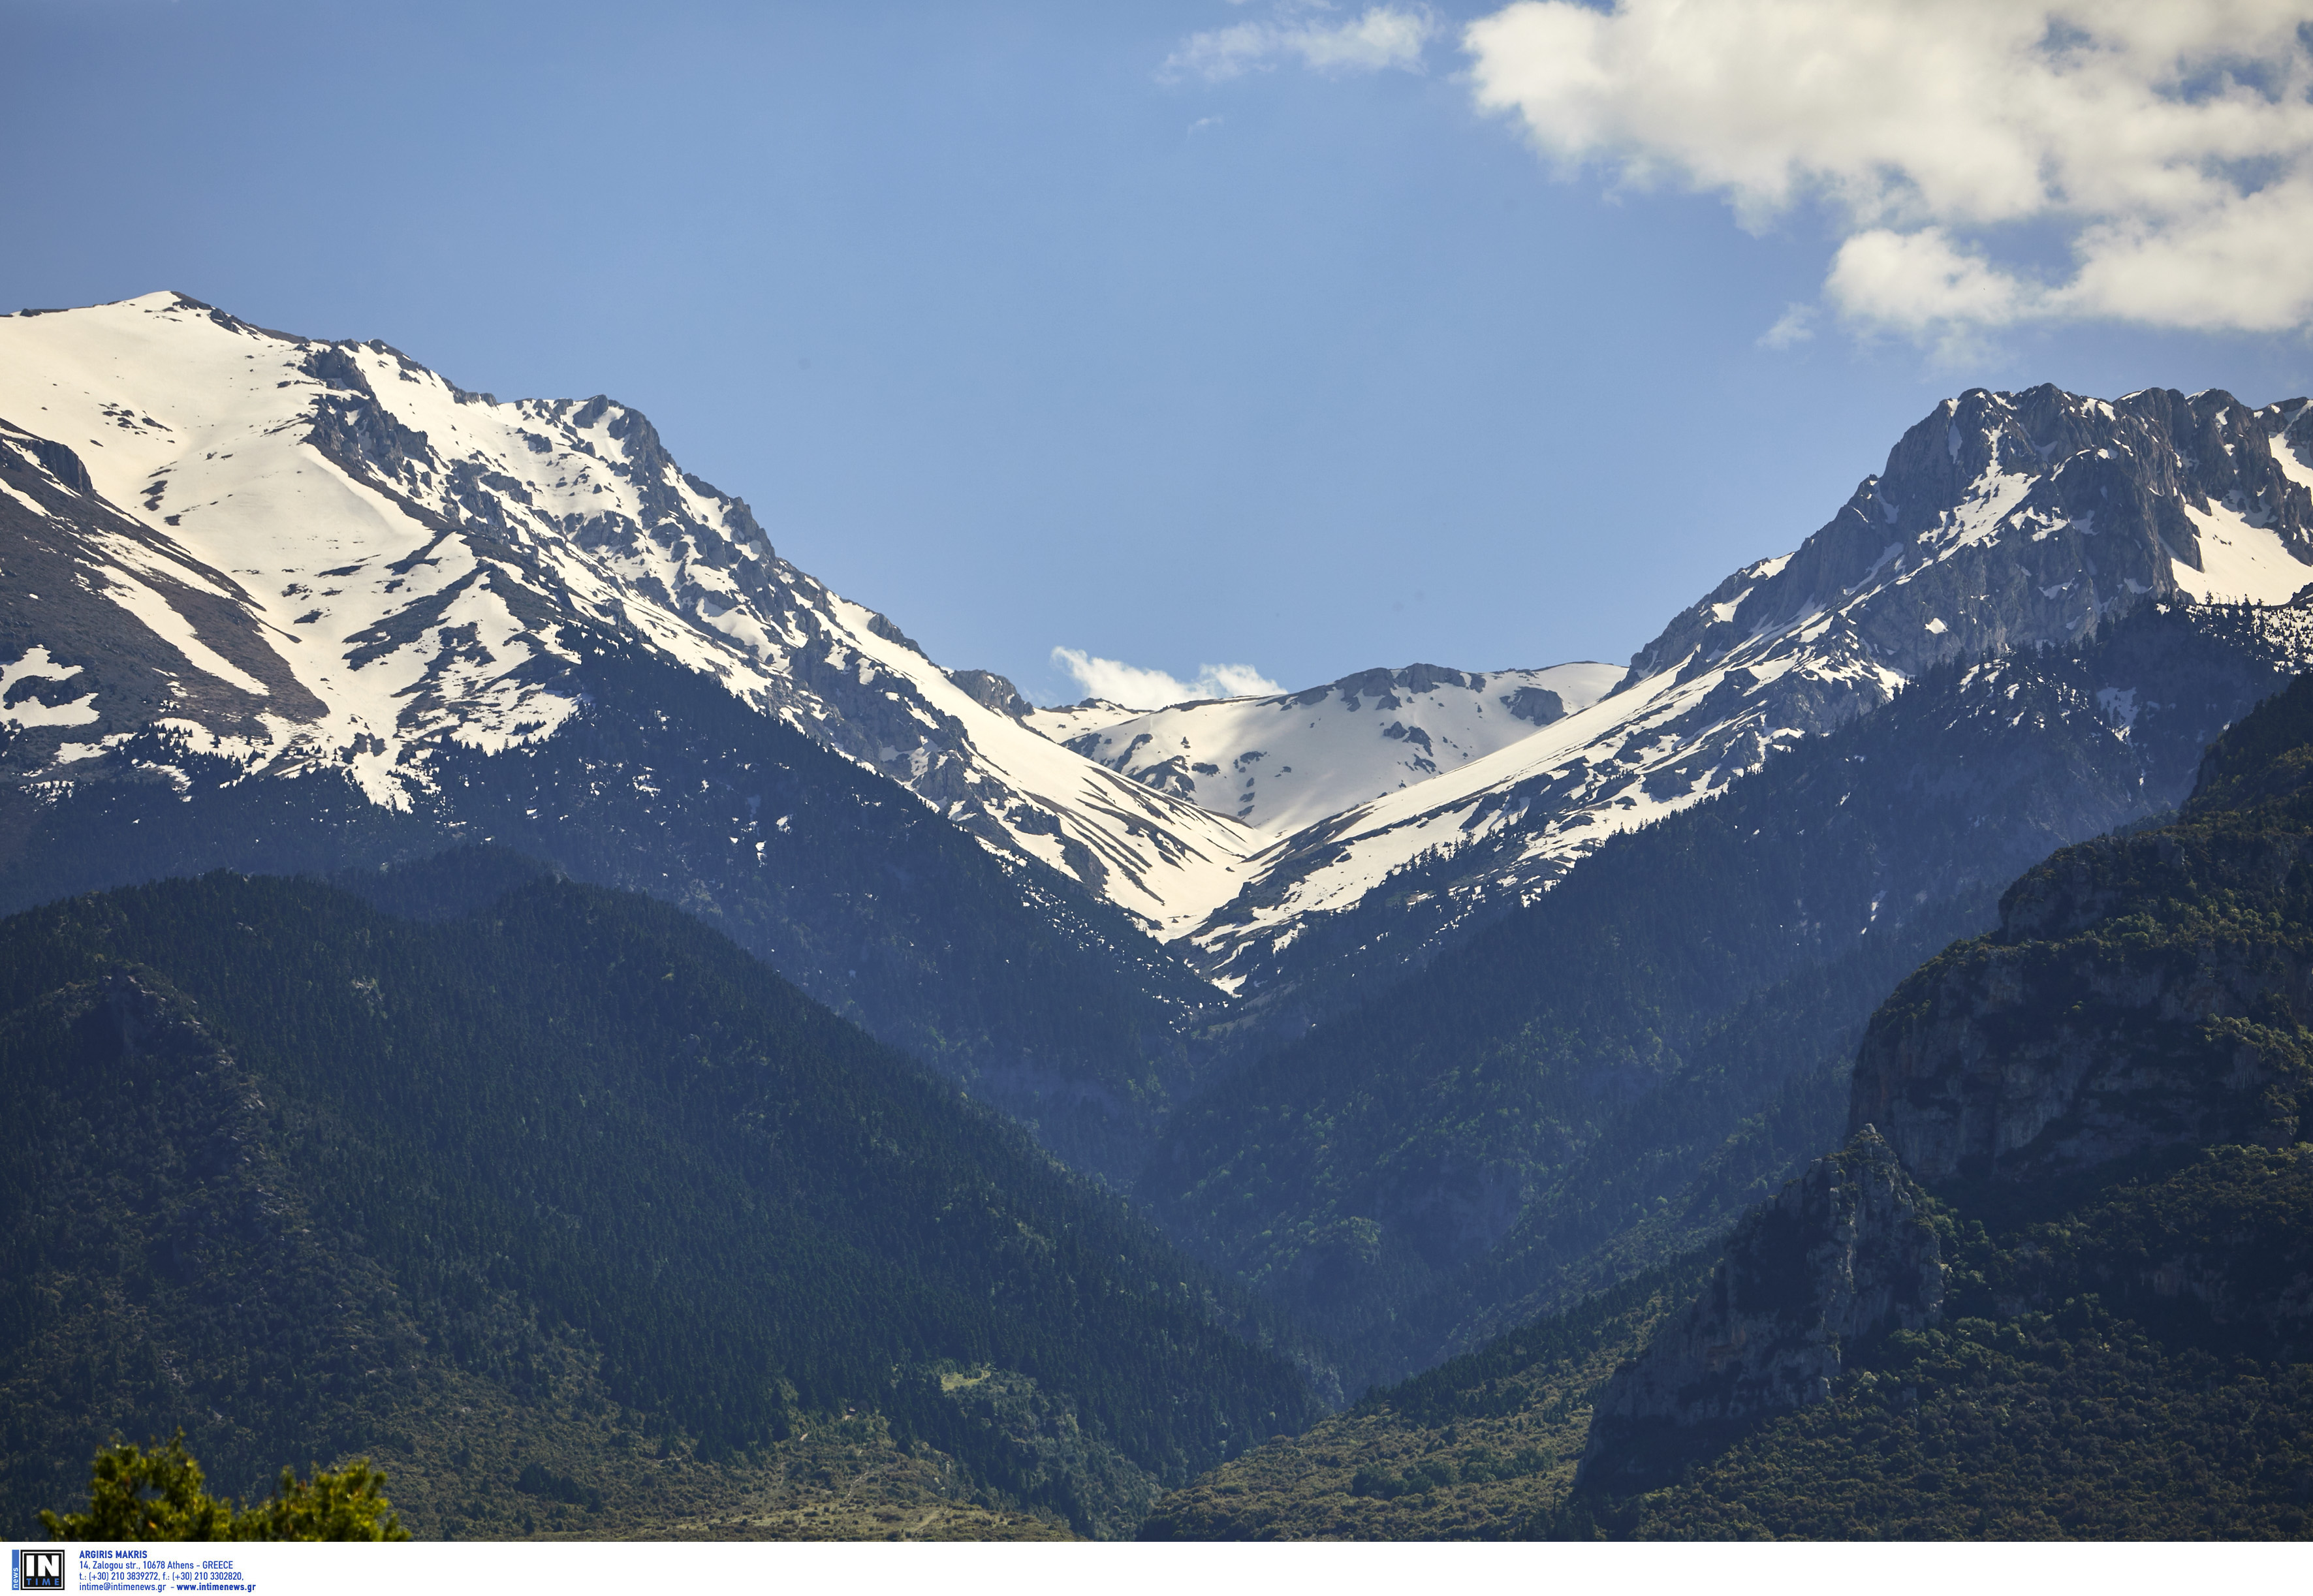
x=1538, y=704
x=2108, y=485
x=60, y=462
x=1846, y=1251
x=991, y=691
x=886, y=627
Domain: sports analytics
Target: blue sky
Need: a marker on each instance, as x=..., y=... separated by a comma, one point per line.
x=1007, y=328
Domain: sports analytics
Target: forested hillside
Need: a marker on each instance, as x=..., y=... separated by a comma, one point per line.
x=2071, y=1390
x=1033, y=993
x=308, y=1179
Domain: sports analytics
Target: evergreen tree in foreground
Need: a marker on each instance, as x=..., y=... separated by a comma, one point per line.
x=134, y=1495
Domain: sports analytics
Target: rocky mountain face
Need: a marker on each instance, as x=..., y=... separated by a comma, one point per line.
x=2002, y=521
x=1845, y=1252
x=299, y=556
x=276, y=604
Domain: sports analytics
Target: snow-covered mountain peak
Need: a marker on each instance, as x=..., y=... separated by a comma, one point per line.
x=1282, y=761
x=308, y=556
x=326, y=555
x=2077, y=505
x=2000, y=521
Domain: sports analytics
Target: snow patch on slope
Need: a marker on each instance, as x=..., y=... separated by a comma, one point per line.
x=2238, y=561
x=1282, y=761
x=18, y=708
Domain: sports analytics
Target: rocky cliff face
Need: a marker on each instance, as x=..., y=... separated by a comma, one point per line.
x=2016, y=517
x=1845, y=1252
x=2141, y=992
x=2151, y=1048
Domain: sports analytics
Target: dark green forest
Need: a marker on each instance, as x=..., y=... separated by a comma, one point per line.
x=2067, y=1395
x=284, y=1158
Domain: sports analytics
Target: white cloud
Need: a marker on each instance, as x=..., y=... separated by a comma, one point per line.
x=1381, y=36
x=1796, y=325
x=2170, y=145
x=1137, y=688
x=1910, y=281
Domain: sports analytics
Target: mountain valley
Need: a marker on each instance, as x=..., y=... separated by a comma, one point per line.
x=1311, y=1114
x=2054, y=1285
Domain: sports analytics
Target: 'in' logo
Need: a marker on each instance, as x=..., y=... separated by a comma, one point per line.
x=37, y=1571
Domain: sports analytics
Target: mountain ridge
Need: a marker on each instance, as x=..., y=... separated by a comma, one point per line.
x=1216, y=753
x=1976, y=538
x=455, y=540
x=429, y=544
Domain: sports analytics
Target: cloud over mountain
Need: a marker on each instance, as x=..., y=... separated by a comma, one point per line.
x=1137, y=688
